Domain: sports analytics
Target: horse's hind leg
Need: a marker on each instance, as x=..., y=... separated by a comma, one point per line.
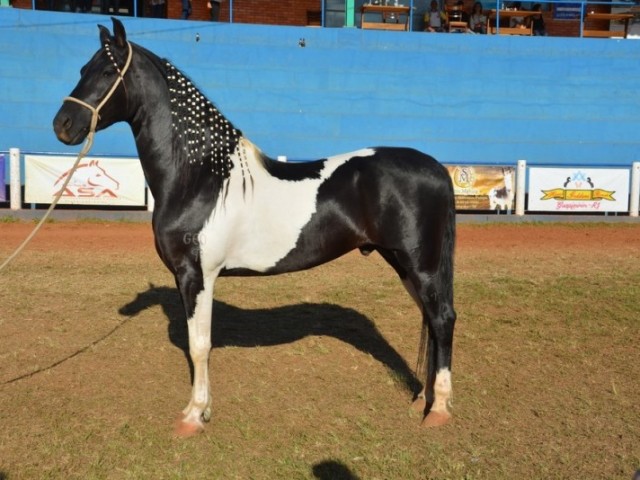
x=438, y=319
x=432, y=290
x=439, y=316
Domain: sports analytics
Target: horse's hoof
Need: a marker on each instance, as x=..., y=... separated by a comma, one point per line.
x=436, y=419
x=419, y=404
x=185, y=429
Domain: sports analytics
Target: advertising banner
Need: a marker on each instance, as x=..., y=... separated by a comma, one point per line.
x=97, y=181
x=567, y=11
x=578, y=189
x=483, y=188
x=3, y=187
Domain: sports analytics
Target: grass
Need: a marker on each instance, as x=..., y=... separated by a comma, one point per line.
x=308, y=373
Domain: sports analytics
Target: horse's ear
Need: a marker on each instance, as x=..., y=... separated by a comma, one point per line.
x=119, y=33
x=105, y=35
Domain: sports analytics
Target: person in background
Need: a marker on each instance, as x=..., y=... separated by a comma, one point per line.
x=186, y=9
x=516, y=22
x=435, y=20
x=214, y=6
x=463, y=15
x=537, y=22
x=157, y=9
x=478, y=20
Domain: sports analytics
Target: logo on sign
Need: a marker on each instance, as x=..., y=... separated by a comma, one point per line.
x=578, y=188
x=90, y=180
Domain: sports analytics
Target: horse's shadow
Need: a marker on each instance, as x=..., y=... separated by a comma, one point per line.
x=233, y=326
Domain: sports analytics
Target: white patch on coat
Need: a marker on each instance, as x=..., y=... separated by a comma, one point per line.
x=259, y=226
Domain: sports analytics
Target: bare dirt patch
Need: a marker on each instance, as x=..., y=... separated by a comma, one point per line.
x=312, y=372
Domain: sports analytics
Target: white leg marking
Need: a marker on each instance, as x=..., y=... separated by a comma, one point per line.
x=442, y=391
x=199, y=348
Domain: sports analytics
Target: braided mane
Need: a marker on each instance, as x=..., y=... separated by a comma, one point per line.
x=202, y=134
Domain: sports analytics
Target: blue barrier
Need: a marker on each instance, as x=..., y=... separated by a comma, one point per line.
x=465, y=99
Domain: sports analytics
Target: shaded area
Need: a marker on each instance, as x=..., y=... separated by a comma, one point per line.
x=333, y=470
x=233, y=326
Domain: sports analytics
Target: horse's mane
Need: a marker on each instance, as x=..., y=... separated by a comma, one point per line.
x=203, y=139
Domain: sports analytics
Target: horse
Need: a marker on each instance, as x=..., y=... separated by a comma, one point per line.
x=253, y=215
x=502, y=198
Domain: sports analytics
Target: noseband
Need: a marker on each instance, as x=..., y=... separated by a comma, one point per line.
x=95, y=111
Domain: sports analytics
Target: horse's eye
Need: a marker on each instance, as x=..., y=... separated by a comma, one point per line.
x=108, y=72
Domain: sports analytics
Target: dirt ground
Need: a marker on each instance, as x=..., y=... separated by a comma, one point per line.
x=132, y=237
x=317, y=399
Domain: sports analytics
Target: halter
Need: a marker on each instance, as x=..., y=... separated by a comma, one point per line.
x=95, y=111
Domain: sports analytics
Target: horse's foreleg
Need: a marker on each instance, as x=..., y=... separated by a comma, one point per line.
x=198, y=306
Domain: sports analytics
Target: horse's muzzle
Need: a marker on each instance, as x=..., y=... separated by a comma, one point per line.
x=65, y=129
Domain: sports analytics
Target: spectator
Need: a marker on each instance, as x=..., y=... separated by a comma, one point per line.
x=435, y=20
x=537, y=22
x=478, y=20
x=461, y=13
x=157, y=9
x=186, y=9
x=516, y=22
x=214, y=6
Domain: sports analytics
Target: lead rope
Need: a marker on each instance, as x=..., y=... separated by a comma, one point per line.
x=95, y=116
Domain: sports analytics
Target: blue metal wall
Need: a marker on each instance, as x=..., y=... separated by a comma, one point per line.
x=461, y=98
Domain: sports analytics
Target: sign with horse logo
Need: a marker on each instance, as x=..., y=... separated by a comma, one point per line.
x=109, y=182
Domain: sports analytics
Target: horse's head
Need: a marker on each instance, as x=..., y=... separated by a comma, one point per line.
x=99, y=96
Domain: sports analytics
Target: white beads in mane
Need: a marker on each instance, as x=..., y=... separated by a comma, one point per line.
x=203, y=132
x=107, y=48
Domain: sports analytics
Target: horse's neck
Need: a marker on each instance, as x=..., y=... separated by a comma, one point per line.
x=184, y=142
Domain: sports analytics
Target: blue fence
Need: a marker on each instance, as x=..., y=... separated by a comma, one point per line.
x=472, y=99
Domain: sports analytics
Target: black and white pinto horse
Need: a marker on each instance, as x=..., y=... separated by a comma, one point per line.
x=257, y=216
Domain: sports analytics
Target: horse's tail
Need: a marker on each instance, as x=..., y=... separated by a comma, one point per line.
x=445, y=276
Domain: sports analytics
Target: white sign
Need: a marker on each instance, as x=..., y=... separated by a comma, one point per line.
x=578, y=189
x=97, y=181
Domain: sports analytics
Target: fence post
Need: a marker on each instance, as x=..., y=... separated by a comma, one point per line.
x=15, y=200
x=635, y=189
x=521, y=175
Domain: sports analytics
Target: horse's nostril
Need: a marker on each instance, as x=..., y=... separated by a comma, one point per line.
x=67, y=123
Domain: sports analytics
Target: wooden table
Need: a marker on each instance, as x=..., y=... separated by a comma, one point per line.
x=386, y=12
x=509, y=14
x=625, y=17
